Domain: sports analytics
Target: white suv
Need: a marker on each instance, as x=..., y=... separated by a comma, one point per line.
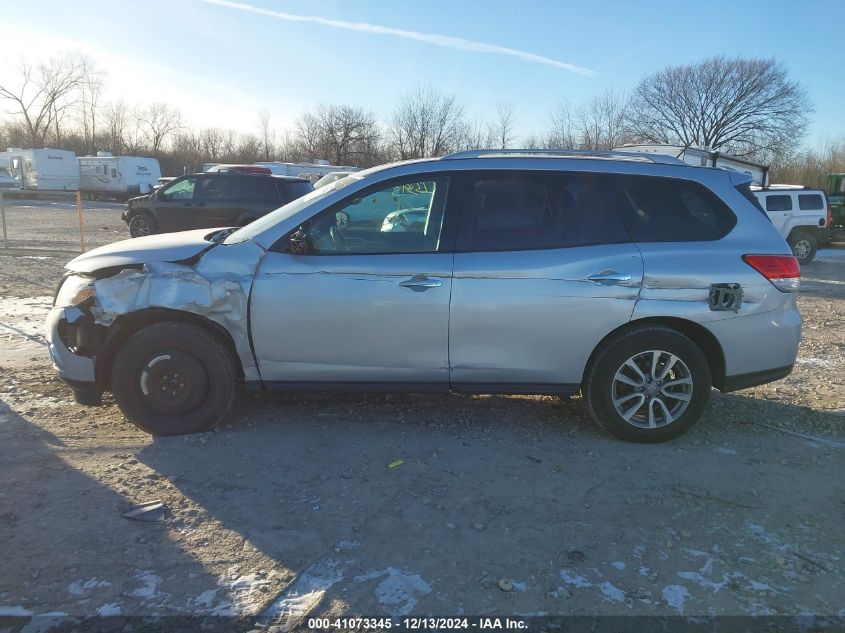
x=799, y=214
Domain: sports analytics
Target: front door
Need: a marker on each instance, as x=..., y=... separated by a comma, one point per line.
x=174, y=205
x=216, y=201
x=362, y=294
x=543, y=271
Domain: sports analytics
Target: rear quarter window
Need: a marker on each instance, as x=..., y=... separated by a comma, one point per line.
x=657, y=209
x=810, y=202
x=291, y=190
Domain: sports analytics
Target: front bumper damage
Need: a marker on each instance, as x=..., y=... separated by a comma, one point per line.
x=215, y=288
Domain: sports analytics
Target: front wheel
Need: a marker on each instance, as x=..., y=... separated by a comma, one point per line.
x=173, y=378
x=649, y=384
x=803, y=246
x=142, y=224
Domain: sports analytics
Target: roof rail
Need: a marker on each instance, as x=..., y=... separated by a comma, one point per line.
x=567, y=153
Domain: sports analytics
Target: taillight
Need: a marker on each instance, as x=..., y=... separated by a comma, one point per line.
x=782, y=270
x=829, y=216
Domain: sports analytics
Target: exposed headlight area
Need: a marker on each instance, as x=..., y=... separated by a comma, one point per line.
x=75, y=291
x=76, y=327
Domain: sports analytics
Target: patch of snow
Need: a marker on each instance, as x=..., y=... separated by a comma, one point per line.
x=14, y=612
x=303, y=595
x=81, y=587
x=571, y=578
x=612, y=592
x=110, y=608
x=618, y=564
x=521, y=587
x=726, y=451
x=675, y=596
x=399, y=592
x=815, y=362
x=150, y=585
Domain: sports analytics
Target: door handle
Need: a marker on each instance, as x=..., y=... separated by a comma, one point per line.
x=420, y=282
x=200, y=204
x=187, y=204
x=611, y=279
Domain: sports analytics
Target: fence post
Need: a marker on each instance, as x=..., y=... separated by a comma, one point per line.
x=3, y=214
x=81, y=223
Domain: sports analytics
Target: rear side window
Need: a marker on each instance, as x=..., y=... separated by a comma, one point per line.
x=293, y=189
x=531, y=210
x=659, y=209
x=780, y=202
x=258, y=189
x=810, y=202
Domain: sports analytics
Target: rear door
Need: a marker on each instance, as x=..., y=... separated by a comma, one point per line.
x=216, y=202
x=543, y=270
x=259, y=196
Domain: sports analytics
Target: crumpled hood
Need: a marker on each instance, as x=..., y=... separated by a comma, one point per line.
x=167, y=247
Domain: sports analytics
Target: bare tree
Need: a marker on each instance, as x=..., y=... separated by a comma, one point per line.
x=746, y=106
x=45, y=92
x=91, y=89
x=601, y=121
x=561, y=133
x=340, y=133
x=159, y=121
x=502, y=129
x=116, y=118
x=266, y=135
x=426, y=123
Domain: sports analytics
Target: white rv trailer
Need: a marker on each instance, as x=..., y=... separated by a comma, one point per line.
x=7, y=183
x=43, y=169
x=312, y=171
x=703, y=157
x=117, y=176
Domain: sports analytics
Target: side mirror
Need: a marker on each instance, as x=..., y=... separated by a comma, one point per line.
x=300, y=243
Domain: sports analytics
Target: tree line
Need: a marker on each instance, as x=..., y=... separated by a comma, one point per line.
x=747, y=107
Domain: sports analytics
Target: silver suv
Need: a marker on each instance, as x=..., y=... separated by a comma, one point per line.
x=637, y=280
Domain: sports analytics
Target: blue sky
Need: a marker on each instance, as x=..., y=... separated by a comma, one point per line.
x=220, y=64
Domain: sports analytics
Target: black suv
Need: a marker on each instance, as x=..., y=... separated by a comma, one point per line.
x=211, y=200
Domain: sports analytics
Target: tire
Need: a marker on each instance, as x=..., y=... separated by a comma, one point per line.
x=141, y=224
x=803, y=246
x=601, y=386
x=173, y=378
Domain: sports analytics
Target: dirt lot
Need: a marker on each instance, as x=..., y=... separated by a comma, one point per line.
x=502, y=505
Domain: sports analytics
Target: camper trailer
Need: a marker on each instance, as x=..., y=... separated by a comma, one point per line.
x=42, y=169
x=703, y=157
x=119, y=177
x=7, y=183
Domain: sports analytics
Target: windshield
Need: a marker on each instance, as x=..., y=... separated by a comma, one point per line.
x=283, y=213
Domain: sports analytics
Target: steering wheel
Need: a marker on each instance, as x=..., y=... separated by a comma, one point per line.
x=337, y=238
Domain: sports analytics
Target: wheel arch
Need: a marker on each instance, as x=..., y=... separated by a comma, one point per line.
x=126, y=325
x=697, y=333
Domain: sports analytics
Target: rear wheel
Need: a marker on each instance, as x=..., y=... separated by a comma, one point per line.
x=142, y=224
x=649, y=384
x=803, y=246
x=173, y=378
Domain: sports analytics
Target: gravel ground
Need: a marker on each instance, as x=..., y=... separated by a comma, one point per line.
x=501, y=505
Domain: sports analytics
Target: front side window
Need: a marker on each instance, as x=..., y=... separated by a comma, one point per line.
x=405, y=217
x=180, y=190
x=810, y=202
x=530, y=211
x=779, y=203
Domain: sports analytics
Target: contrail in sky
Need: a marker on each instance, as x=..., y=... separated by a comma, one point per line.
x=446, y=41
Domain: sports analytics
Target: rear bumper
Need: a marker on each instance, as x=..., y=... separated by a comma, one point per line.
x=758, y=348
x=753, y=379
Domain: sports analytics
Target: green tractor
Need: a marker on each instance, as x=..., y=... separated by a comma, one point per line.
x=836, y=199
